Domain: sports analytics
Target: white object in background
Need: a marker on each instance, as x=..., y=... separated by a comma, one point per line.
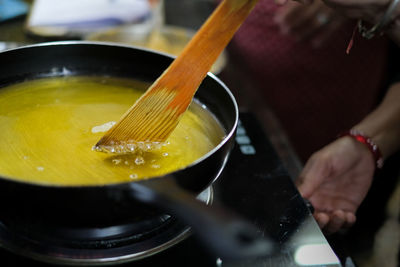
x=88, y=13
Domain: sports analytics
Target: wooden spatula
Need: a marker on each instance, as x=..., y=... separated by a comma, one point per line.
x=155, y=115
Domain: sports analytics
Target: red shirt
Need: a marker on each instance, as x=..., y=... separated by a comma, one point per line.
x=314, y=92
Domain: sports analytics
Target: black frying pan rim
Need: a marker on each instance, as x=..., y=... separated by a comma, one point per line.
x=230, y=133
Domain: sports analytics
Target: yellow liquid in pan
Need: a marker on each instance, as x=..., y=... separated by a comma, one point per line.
x=49, y=126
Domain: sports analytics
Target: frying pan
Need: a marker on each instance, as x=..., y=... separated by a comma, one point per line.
x=223, y=232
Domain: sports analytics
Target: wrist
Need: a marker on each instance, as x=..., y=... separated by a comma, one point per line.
x=368, y=143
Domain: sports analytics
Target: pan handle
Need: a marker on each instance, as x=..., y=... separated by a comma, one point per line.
x=221, y=232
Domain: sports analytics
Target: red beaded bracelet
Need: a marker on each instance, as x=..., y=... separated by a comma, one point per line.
x=362, y=138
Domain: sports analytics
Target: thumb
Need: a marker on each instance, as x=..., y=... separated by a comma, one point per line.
x=310, y=178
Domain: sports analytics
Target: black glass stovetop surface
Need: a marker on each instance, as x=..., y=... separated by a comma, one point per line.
x=256, y=185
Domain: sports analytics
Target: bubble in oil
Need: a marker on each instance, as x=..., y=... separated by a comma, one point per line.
x=40, y=168
x=130, y=146
x=133, y=176
x=116, y=161
x=139, y=160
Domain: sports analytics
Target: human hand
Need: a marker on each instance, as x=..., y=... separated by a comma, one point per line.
x=336, y=180
x=360, y=9
x=282, y=2
x=314, y=22
x=369, y=10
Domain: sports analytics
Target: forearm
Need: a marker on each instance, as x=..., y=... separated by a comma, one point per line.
x=383, y=124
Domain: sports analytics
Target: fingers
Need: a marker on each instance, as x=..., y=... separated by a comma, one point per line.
x=295, y=19
x=354, y=3
x=304, y=1
x=350, y=220
x=323, y=36
x=335, y=221
x=312, y=176
x=360, y=9
x=282, y=2
x=315, y=22
x=322, y=219
x=316, y=30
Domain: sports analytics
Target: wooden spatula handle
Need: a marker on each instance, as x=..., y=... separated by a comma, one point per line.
x=155, y=115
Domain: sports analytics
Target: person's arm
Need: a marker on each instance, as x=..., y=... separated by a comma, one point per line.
x=337, y=178
x=366, y=10
x=314, y=23
x=370, y=12
x=383, y=124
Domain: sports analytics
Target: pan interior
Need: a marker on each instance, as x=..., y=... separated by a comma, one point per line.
x=48, y=127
